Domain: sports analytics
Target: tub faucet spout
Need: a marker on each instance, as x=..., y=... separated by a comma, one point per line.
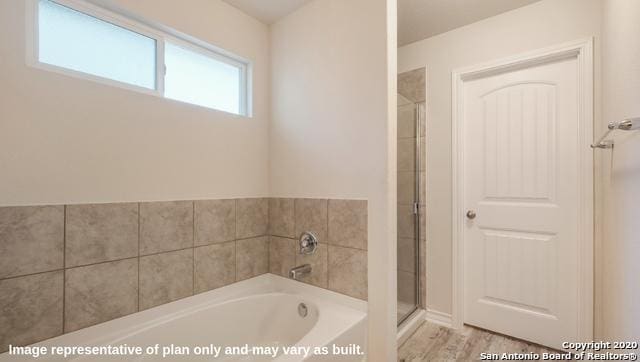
x=299, y=271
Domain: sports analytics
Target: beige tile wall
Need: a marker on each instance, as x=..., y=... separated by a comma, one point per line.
x=63, y=268
x=340, y=262
x=412, y=85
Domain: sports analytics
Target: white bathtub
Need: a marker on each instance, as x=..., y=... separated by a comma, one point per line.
x=262, y=311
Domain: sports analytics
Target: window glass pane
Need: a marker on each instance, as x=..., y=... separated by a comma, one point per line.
x=73, y=40
x=199, y=79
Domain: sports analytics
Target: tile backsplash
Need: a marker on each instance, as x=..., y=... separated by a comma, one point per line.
x=340, y=262
x=63, y=268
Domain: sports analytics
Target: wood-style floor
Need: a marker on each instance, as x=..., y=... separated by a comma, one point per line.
x=431, y=342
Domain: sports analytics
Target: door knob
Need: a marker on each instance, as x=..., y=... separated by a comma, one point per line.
x=471, y=214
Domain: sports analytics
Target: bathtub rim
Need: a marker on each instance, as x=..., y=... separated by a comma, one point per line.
x=120, y=328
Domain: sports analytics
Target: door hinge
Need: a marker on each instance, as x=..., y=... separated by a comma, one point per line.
x=416, y=208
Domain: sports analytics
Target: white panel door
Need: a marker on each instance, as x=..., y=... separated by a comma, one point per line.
x=521, y=174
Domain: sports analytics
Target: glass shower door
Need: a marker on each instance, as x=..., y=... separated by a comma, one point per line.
x=409, y=124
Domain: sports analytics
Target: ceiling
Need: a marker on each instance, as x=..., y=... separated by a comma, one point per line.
x=417, y=19
x=421, y=19
x=267, y=11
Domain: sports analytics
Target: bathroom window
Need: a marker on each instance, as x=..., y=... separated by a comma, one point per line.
x=204, y=79
x=77, y=38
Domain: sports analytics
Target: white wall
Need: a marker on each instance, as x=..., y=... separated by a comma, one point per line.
x=542, y=24
x=620, y=277
x=97, y=143
x=333, y=128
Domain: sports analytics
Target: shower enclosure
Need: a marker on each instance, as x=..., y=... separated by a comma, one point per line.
x=411, y=133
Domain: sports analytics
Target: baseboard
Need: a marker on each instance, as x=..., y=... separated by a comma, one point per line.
x=440, y=318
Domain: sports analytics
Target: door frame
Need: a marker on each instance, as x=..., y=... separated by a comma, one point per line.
x=582, y=50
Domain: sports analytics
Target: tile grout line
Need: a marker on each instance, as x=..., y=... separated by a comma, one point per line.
x=247, y=238
x=193, y=253
x=64, y=268
x=295, y=225
x=328, y=269
x=111, y=261
x=268, y=234
x=117, y=260
x=138, y=257
x=235, y=243
x=204, y=246
x=32, y=274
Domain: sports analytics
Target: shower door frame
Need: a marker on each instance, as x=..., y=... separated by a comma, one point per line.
x=417, y=209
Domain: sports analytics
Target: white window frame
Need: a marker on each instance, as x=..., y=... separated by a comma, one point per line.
x=160, y=33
